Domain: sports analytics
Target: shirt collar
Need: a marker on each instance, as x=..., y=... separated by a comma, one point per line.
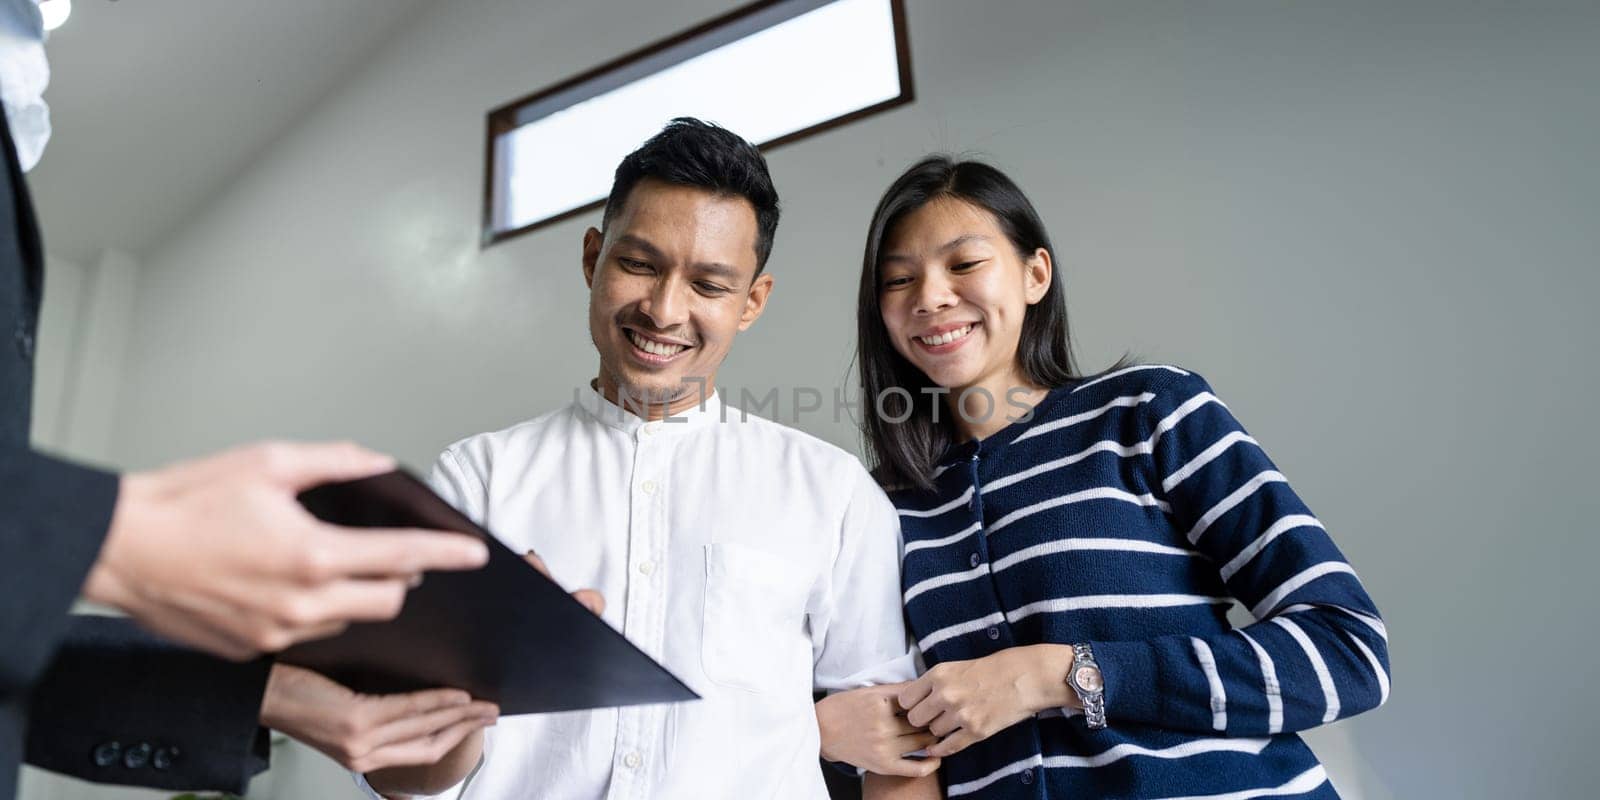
x=594, y=405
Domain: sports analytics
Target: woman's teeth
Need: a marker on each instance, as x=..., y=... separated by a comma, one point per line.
x=946, y=337
x=655, y=348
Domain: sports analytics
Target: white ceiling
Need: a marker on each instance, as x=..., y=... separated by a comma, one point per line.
x=157, y=104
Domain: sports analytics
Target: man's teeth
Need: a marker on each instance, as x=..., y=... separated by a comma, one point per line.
x=653, y=347
x=946, y=337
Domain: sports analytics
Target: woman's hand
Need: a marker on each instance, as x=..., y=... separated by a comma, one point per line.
x=865, y=728
x=366, y=732
x=963, y=702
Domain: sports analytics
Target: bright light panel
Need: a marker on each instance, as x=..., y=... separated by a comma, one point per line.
x=807, y=70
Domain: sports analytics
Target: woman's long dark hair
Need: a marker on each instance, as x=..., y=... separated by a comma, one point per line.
x=903, y=453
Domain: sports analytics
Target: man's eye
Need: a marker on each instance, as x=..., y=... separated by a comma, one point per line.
x=633, y=265
x=711, y=288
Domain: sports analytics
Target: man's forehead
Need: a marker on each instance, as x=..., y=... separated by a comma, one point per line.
x=671, y=218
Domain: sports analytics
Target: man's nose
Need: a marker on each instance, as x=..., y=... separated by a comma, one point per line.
x=665, y=305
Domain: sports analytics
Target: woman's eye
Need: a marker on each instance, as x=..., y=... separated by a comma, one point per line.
x=894, y=282
x=966, y=265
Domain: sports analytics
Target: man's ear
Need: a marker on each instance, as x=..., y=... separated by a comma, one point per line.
x=592, y=240
x=1037, y=271
x=755, y=301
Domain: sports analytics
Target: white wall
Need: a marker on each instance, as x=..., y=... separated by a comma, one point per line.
x=1369, y=223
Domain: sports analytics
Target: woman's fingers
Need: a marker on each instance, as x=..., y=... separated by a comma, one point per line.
x=913, y=693
x=911, y=743
x=924, y=713
x=953, y=744
x=943, y=725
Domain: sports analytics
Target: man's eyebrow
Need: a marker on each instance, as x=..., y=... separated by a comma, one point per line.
x=944, y=248
x=638, y=243
x=719, y=269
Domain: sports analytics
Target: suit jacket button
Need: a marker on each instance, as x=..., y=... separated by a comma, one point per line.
x=137, y=756
x=25, y=344
x=164, y=757
x=107, y=753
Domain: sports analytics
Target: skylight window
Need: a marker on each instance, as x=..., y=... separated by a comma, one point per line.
x=772, y=72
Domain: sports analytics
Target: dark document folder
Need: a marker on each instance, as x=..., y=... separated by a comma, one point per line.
x=505, y=632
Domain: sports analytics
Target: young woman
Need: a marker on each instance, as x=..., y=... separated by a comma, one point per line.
x=1072, y=544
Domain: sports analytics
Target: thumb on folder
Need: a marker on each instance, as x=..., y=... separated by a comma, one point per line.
x=590, y=598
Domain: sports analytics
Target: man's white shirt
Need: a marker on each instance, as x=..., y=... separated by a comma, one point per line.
x=752, y=560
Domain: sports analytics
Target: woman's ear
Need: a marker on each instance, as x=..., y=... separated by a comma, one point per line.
x=1036, y=274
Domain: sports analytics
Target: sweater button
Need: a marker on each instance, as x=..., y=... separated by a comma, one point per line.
x=1026, y=777
x=975, y=560
x=993, y=632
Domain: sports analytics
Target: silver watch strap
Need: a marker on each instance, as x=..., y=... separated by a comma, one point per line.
x=1094, y=703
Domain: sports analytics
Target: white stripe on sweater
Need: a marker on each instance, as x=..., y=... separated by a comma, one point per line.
x=959, y=629
x=1125, y=370
x=1104, y=446
x=1189, y=406
x=945, y=580
x=1206, y=456
x=956, y=790
x=1377, y=668
x=1330, y=692
x=1126, y=401
x=1067, y=545
x=1269, y=685
x=1219, y=694
x=937, y=510
x=1227, y=503
x=1370, y=621
x=923, y=544
x=1094, y=601
x=1284, y=524
x=1264, y=608
x=1100, y=493
x=1127, y=749
x=1302, y=783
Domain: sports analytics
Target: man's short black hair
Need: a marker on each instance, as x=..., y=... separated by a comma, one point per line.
x=690, y=152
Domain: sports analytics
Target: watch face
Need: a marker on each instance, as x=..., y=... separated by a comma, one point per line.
x=1088, y=679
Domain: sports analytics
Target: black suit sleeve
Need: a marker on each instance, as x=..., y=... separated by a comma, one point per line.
x=53, y=518
x=118, y=705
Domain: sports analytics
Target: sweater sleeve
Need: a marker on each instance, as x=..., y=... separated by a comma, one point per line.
x=1318, y=650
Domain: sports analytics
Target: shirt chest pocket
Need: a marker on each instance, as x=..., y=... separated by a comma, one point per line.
x=754, y=617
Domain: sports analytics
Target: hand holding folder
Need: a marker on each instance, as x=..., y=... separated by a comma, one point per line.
x=505, y=633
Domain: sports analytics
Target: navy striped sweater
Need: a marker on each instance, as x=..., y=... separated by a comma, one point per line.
x=1130, y=512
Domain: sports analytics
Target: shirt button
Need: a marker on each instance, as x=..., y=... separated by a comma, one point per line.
x=994, y=632
x=649, y=487
x=137, y=756
x=107, y=754
x=647, y=567
x=651, y=428
x=1026, y=777
x=24, y=344
x=632, y=760
x=975, y=560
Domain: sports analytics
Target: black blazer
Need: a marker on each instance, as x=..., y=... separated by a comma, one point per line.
x=91, y=697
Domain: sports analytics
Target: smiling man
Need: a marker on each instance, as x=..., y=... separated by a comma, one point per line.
x=756, y=562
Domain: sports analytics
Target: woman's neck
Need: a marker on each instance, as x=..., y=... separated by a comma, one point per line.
x=1012, y=396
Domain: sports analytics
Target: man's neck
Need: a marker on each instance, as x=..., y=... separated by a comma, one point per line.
x=652, y=409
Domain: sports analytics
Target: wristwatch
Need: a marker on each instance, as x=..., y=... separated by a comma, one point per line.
x=1086, y=680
